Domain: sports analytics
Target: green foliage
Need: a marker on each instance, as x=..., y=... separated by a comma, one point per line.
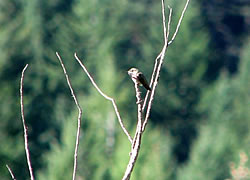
x=155, y=160
x=225, y=133
x=110, y=37
x=59, y=162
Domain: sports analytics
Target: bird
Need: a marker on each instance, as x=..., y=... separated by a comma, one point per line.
x=138, y=78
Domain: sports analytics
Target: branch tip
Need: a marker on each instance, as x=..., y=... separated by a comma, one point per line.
x=26, y=144
x=79, y=115
x=11, y=173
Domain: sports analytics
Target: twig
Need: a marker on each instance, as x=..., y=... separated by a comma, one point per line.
x=151, y=81
x=162, y=55
x=12, y=175
x=24, y=126
x=169, y=22
x=78, y=119
x=159, y=56
x=106, y=97
x=179, y=23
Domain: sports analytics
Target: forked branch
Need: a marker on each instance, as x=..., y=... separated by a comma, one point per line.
x=153, y=83
x=161, y=56
x=179, y=22
x=78, y=119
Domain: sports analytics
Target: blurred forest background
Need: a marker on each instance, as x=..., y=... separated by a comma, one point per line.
x=200, y=120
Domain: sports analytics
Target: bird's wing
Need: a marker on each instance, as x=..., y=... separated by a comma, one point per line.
x=143, y=81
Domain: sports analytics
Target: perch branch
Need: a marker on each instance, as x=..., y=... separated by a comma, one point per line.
x=137, y=139
x=106, y=97
x=154, y=79
x=26, y=144
x=139, y=113
x=78, y=119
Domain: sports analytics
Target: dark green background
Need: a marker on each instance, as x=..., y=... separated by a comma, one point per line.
x=200, y=118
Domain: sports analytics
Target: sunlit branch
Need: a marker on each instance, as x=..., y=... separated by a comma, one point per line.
x=179, y=22
x=10, y=171
x=139, y=114
x=106, y=97
x=26, y=144
x=138, y=135
x=158, y=66
x=78, y=119
x=151, y=81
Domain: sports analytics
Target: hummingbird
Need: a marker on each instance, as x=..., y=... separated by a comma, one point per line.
x=138, y=78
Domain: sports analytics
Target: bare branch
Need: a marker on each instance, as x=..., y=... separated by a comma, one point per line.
x=179, y=23
x=166, y=35
x=26, y=145
x=151, y=81
x=154, y=79
x=158, y=66
x=164, y=22
x=12, y=175
x=139, y=114
x=106, y=97
x=133, y=157
x=169, y=22
x=78, y=119
x=137, y=139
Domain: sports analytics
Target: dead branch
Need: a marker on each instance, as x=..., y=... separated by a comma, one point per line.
x=10, y=171
x=26, y=144
x=138, y=135
x=106, y=97
x=158, y=65
x=136, y=142
x=179, y=22
x=162, y=54
x=165, y=34
x=78, y=119
x=153, y=83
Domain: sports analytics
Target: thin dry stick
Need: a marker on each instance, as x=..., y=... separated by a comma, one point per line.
x=166, y=35
x=78, y=119
x=12, y=175
x=151, y=81
x=179, y=23
x=106, y=97
x=159, y=56
x=24, y=126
